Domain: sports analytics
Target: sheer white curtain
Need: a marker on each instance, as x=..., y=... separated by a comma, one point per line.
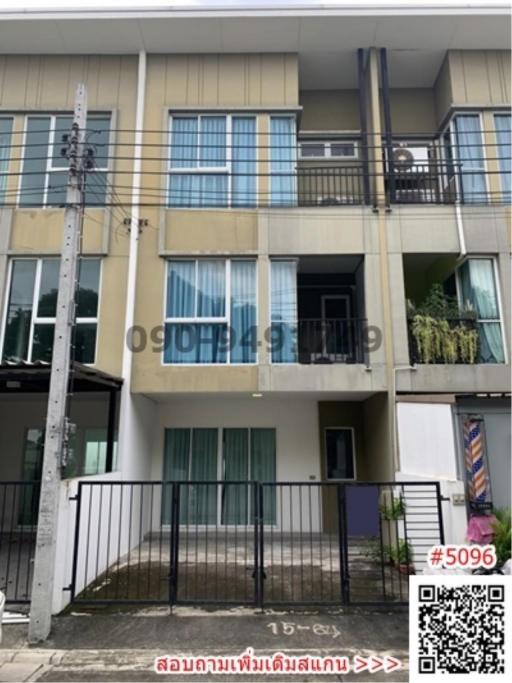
x=478, y=287
x=282, y=161
x=471, y=157
x=284, y=311
x=243, y=311
x=211, y=303
x=244, y=161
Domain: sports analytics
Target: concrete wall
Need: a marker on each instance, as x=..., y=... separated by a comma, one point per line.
x=295, y=421
x=376, y=424
x=426, y=440
x=412, y=111
x=480, y=77
x=48, y=85
x=329, y=110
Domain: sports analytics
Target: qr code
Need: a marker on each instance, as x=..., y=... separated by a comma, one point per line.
x=458, y=625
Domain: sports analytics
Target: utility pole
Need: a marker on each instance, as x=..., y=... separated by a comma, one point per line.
x=57, y=425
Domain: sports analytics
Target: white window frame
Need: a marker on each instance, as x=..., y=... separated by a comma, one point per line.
x=8, y=160
x=42, y=320
x=196, y=320
x=501, y=173
x=451, y=128
x=499, y=320
x=50, y=169
x=227, y=169
x=340, y=428
x=271, y=260
x=273, y=172
x=328, y=152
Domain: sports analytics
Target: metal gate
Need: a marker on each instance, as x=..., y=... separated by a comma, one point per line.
x=249, y=543
x=19, y=504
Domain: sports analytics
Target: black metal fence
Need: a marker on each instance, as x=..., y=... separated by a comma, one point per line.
x=248, y=543
x=332, y=340
x=19, y=504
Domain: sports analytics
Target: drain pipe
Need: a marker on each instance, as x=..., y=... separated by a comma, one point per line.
x=126, y=412
x=396, y=457
x=460, y=231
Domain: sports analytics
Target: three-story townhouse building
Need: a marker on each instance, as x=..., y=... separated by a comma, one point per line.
x=294, y=268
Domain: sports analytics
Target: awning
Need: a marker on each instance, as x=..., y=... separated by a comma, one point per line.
x=24, y=377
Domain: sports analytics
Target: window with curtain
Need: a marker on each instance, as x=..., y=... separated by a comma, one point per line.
x=210, y=311
x=32, y=304
x=5, y=153
x=283, y=146
x=283, y=310
x=478, y=287
x=470, y=158
x=192, y=454
x=212, y=161
x=503, y=124
x=45, y=169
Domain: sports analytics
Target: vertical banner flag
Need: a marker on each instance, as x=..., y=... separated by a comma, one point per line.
x=476, y=470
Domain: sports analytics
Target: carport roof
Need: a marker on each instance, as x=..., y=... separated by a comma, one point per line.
x=24, y=377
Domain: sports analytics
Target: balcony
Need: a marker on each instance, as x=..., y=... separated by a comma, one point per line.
x=329, y=340
x=443, y=340
x=454, y=167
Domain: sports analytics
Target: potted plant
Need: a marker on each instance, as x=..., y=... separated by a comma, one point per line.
x=441, y=331
x=395, y=509
x=502, y=536
x=400, y=556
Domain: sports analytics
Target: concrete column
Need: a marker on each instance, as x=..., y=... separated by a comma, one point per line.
x=398, y=309
x=263, y=280
x=376, y=159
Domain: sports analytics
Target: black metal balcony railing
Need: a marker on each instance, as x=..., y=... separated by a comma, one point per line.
x=443, y=340
x=329, y=340
x=342, y=185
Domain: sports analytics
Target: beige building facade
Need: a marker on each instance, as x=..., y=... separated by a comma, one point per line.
x=247, y=190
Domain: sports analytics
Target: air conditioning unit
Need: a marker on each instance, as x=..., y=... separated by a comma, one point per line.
x=409, y=158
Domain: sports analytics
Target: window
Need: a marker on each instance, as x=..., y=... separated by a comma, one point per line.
x=478, y=287
x=5, y=153
x=212, y=161
x=282, y=161
x=339, y=451
x=338, y=149
x=44, y=178
x=32, y=304
x=89, y=453
x=210, y=311
x=470, y=157
x=503, y=124
x=240, y=455
x=283, y=310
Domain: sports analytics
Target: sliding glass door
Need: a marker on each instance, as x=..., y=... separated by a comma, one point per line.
x=231, y=455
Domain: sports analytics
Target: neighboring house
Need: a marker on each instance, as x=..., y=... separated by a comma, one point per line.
x=265, y=289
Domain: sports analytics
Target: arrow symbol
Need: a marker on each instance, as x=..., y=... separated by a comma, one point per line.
x=360, y=663
x=390, y=663
x=378, y=664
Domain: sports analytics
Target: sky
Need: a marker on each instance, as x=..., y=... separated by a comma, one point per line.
x=120, y=4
